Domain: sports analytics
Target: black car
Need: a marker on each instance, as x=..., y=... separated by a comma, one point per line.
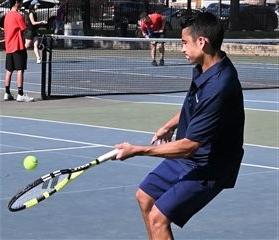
x=174, y=17
x=258, y=18
x=214, y=9
x=121, y=11
x=251, y=17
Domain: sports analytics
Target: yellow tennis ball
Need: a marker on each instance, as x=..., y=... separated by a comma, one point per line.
x=30, y=162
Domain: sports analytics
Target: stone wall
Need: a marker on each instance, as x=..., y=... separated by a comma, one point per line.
x=251, y=49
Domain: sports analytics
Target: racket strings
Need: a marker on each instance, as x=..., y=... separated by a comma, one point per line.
x=39, y=192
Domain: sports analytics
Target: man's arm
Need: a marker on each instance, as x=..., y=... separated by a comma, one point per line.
x=165, y=133
x=164, y=19
x=21, y=23
x=143, y=28
x=180, y=148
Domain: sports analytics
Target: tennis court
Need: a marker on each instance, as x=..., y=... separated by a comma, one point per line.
x=69, y=132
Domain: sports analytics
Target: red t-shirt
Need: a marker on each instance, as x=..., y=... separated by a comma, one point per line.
x=14, y=26
x=155, y=24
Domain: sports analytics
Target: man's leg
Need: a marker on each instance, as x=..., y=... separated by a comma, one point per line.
x=146, y=203
x=153, y=47
x=162, y=54
x=7, y=81
x=19, y=81
x=160, y=226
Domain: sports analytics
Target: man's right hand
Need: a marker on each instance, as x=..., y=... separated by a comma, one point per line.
x=162, y=135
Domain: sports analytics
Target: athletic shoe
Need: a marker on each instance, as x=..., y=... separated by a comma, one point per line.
x=24, y=98
x=8, y=97
x=39, y=60
x=154, y=63
x=162, y=62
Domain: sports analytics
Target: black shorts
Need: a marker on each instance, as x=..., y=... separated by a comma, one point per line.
x=16, y=60
x=30, y=35
x=157, y=35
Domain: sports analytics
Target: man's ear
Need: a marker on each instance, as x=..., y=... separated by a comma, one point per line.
x=202, y=42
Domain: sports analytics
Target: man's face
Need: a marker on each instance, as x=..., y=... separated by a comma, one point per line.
x=192, y=48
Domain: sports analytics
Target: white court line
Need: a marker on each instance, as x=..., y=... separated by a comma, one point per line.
x=101, y=127
x=261, y=110
x=30, y=91
x=76, y=124
x=261, y=101
x=183, y=96
x=87, y=190
x=177, y=104
x=261, y=146
x=259, y=166
x=96, y=145
x=55, y=139
x=47, y=150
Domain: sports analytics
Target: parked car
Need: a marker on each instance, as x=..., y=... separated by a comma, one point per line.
x=121, y=11
x=214, y=8
x=174, y=17
x=114, y=12
x=251, y=17
x=258, y=18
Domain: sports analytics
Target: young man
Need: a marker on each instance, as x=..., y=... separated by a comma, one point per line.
x=205, y=156
x=16, y=55
x=153, y=26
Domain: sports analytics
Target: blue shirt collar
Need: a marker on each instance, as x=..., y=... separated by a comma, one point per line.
x=200, y=77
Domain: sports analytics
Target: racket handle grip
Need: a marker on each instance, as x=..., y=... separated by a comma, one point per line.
x=108, y=155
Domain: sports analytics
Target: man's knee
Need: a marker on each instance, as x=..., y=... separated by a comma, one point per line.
x=144, y=199
x=157, y=219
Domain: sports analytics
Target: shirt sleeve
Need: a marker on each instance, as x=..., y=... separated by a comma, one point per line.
x=205, y=121
x=143, y=26
x=21, y=23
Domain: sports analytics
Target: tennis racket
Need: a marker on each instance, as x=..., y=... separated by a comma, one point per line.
x=47, y=185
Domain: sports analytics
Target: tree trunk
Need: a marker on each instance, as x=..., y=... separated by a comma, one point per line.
x=234, y=15
x=86, y=15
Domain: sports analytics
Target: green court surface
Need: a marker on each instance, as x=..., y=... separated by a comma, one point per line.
x=261, y=127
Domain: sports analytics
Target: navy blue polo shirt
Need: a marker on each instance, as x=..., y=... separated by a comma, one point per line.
x=213, y=115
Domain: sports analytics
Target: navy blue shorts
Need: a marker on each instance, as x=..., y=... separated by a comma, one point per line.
x=179, y=191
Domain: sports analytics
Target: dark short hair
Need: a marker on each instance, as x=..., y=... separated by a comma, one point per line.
x=143, y=15
x=207, y=25
x=31, y=7
x=13, y=2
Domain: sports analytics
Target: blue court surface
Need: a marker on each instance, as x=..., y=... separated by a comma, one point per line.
x=101, y=203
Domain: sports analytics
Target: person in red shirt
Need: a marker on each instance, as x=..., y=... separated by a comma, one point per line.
x=16, y=55
x=153, y=26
